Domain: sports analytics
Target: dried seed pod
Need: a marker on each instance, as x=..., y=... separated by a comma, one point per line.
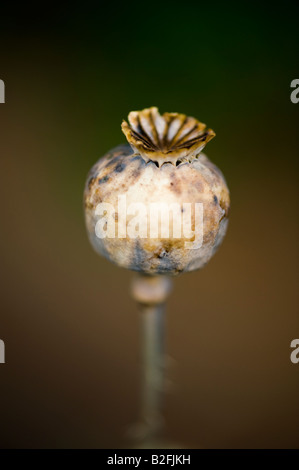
x=158, y=205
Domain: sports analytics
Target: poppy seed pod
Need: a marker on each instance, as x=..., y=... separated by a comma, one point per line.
x=157, y=205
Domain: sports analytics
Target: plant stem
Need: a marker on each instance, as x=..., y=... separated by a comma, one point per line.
x=151, y=293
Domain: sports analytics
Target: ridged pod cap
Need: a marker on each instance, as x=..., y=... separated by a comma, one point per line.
x=171, y=137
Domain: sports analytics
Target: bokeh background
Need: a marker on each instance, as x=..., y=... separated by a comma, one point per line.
x=71, y=331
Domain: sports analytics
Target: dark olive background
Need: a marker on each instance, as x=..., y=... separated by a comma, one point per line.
x=71, y=331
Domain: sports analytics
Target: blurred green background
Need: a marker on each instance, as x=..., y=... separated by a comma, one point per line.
x=72, y=73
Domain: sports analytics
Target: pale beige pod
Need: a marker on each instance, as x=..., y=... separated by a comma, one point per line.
x=162, y=163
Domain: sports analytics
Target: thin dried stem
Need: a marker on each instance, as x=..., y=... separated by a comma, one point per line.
x=151, y=293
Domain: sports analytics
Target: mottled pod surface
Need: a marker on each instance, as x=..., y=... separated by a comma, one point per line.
x=162, y=165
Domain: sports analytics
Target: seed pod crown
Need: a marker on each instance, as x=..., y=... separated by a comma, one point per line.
x=168, y=138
